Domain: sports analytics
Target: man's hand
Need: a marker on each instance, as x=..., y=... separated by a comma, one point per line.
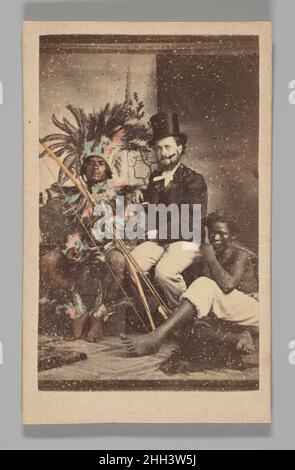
x=207, y=250
x=137, y=197
x=206, y=239
x=152, y=234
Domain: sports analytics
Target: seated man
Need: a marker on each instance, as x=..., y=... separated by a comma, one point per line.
x=173, y=184
x=223, y=289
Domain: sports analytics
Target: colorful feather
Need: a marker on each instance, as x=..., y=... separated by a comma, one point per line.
x=114, y=142
x=116, y=126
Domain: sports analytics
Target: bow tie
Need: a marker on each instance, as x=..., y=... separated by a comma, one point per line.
x=159, y=178
x=167, y=176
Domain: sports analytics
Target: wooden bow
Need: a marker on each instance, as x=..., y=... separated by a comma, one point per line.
x=136, y=272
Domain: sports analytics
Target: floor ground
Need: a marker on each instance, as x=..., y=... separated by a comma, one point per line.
x=107, y=367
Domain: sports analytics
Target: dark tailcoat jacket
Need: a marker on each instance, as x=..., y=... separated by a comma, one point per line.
x=187, y=187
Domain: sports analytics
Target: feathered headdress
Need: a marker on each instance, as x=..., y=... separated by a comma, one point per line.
x=99, y=134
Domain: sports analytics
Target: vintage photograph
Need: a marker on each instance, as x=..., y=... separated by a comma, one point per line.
x=150, y=211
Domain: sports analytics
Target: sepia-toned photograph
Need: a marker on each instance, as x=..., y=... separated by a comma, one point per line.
x=148, y=192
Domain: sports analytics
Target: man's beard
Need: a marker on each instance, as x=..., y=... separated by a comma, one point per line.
x=169, y=162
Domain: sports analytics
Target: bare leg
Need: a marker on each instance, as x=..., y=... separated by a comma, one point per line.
x=57, y=271
x=112, y=284
x=78, y=327
x=151, y=342
x=59, y=274
x=111, y=290
x=95, y=333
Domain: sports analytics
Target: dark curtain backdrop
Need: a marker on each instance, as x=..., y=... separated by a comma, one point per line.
x=217, y=99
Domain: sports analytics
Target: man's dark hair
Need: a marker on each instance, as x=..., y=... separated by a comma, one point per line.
x=180, y=141
x=221, y=216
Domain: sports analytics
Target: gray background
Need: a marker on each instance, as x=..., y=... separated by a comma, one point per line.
x=281, y=433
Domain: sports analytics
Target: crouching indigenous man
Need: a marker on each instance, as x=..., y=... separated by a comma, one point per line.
x=225, y=290
x=173, y=184
x=89, y=153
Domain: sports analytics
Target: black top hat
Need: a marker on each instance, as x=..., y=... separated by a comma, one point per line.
x=166, y=125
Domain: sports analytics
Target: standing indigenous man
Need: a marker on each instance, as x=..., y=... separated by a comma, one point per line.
x=173, y=183
x=92, y=154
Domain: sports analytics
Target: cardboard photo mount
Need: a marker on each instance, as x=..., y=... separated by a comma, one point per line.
x=66, y=407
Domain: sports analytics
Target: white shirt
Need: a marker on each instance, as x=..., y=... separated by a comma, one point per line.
x=167, y=176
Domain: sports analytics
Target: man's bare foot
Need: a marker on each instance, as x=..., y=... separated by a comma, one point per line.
x=78, y=327
x=95, y=333
x=245, y=343
x=143, y=345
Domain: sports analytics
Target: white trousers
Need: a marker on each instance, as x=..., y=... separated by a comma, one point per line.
x=169, y=261
x=236, y=307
